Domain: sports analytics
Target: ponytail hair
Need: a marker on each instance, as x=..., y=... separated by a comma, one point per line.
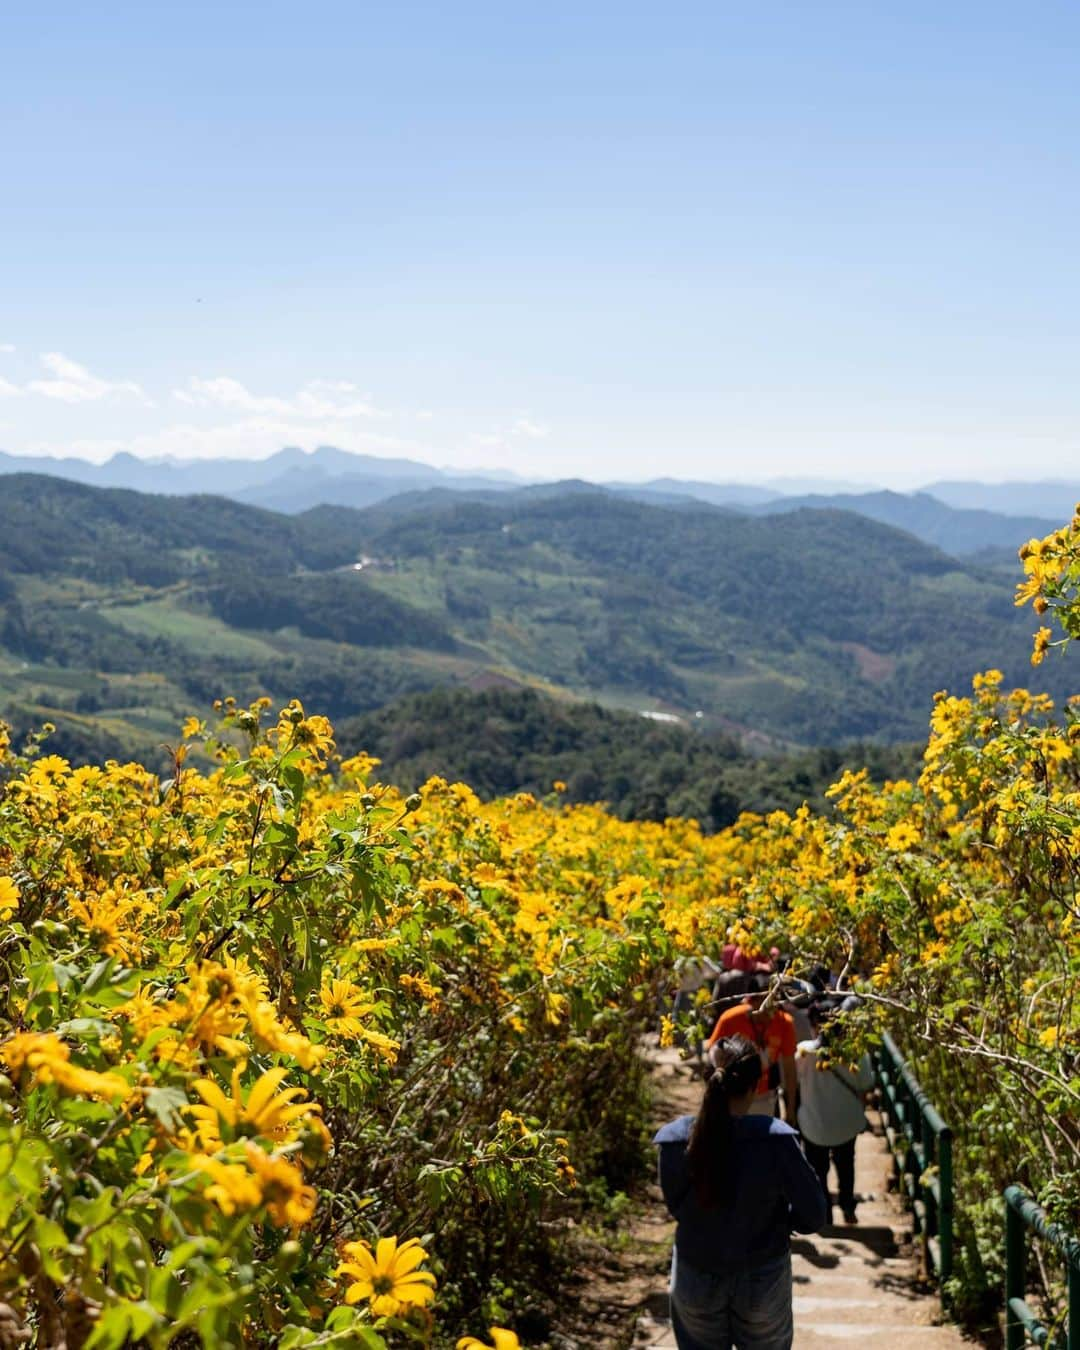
x=736, y=1068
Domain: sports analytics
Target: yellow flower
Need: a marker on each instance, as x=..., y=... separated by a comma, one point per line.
x=112, y=920
x=902, y=837
x=383, y=1046
x=887, y=971
x=1042, y=642
x=667, y=1032
x=233, y=1187
x=266, y=1111
x=51, y=766
x=192, y=727
x=49, y=1059
x=388, y=1276
x=344, y=1004
x=501, y=1340
x=359, y=766
x=266, y=1179
x=271, y=1033
x=373, y=944
x=289, y=1201
x=27, y=1048
x=487, y=874
x=84, y=1082
x=1049, y=1038
x=9, y=898
x=419, y=985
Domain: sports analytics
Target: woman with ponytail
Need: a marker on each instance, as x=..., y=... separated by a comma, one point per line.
x=737, y=1185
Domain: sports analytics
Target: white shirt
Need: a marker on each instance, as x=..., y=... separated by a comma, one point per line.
x=830, y=1100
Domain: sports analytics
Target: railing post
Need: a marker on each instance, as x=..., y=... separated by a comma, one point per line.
x=945, y=1214
x=930, y=1223
x=1015, y=1277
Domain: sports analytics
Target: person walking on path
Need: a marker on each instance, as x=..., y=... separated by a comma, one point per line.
x=737, y=1185
x=773, y=1033
x=832, y=1098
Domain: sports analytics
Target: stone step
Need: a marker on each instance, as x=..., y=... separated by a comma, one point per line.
x=879, y=1335
x=852, y=1286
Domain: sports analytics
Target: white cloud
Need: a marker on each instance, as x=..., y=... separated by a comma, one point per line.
x=73, y=383
x=7, y=389
x=224, y=392
x=316, y=400
x=525, y=426
x=7, y=348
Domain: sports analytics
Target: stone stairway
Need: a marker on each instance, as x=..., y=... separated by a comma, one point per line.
x=852, y=1285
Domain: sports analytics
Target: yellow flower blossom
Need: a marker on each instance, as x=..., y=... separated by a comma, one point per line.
x=887, y=971
x=501, y=1339
x=901, y=837
x=487, y=874
x=49, y=1060
x=388, y=1276
x=233, y=1188
x=263, y=1110
x=344, y=1005
x=1041, y=644
x=418, y=984
x=9, y=898
x=384, y=1046
x=290, y=1203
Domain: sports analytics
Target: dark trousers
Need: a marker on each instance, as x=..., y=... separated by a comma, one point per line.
x=843, y=1158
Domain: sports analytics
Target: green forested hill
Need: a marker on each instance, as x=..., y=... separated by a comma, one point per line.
x=816, y=626
x=962, y=533
x=503, y=741
x=120, y=612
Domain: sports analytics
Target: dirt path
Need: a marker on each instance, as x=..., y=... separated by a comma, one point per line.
x=853, y=1286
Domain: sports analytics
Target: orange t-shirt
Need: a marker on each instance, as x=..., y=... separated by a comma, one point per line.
x=774, y=1038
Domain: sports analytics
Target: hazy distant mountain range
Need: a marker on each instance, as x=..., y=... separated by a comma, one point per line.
x=961, y=518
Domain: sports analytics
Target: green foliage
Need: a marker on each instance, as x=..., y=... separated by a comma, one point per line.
x=818, y=627
x=504, y=741
x=339, y=606
x=815, y=626
x=256, y=1017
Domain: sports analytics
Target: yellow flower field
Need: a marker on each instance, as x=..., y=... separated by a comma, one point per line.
x=292, y=1059
x=263, y=1014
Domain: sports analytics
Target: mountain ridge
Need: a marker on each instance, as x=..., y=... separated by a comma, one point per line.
x=294, y=480
x=812, y=627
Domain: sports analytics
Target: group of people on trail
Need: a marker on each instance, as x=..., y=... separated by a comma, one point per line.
x=752, y=1166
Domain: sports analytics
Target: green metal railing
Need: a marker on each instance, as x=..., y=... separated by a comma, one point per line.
x=1021, y=1324
x=921, y=1145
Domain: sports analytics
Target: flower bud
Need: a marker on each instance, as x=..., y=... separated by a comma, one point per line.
x=289, y=1256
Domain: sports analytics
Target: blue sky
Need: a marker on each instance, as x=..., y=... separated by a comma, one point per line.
x=717, y=240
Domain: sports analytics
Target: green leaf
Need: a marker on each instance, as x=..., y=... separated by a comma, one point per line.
x=166, y=1103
